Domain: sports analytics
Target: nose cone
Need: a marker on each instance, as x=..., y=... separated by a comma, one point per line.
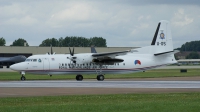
x=15, y=67
x=12, y=67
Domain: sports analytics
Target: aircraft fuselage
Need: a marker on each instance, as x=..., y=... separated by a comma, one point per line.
x=61, y=64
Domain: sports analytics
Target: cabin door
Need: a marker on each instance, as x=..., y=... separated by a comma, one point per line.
x=45, y=64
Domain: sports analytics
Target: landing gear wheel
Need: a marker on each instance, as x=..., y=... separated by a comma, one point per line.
x=100, y=77
x=79, y=77
x=23, y=78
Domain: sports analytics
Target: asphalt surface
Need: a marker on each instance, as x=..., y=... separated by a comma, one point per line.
x=102, y=84
x=54, y=88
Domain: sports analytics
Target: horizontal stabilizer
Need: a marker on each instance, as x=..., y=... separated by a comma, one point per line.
x=163, y=53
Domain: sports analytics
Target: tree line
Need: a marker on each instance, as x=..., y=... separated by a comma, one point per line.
x=191, y=46
x=75, y=42
x=18, y=42
x=193, y=55
x=72, y=41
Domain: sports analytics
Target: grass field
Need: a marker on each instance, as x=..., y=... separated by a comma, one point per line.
x=148, y=74
x=167, y=102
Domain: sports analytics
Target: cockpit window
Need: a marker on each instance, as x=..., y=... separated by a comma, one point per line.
x=28, y=59
x=34, y=60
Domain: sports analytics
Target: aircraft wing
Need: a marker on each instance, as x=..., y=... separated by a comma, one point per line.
x=14, y=59
x=7, y=61
x=110, y=54
x=109, y=57
x=4, y=59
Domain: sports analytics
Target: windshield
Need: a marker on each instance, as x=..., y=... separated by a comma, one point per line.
x=34, y=60
x=28, y=59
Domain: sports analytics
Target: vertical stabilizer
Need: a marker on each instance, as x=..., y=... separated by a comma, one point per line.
x=162, y=40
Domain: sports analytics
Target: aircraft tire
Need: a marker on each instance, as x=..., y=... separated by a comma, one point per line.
x=100, y=77
x=23, y=78
x=79, y=77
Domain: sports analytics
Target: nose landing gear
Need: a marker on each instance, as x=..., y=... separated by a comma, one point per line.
x=23, y=78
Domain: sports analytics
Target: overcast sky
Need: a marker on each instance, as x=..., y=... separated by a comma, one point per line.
x=123, y=23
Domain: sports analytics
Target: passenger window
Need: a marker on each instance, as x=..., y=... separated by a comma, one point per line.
x=39, y=60
x=34, y=60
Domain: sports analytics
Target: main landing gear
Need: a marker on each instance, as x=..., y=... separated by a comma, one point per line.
x=79, y=77
x=100, y=77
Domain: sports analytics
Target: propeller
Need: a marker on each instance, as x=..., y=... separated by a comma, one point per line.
x=51, y=53
x=73, y=59
x=51, y=50
x=71, y=52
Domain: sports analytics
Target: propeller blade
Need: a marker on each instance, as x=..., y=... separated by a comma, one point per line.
x=73, y=52
x=70, y=51
x=51, y=50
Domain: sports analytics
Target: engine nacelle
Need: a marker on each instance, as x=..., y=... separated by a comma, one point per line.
x=83, y=58
x=107, y=61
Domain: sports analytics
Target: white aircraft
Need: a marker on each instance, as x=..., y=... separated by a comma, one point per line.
x=160, y=53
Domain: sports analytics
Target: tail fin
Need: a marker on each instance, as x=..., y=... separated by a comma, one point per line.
x=162, y=40
x=161, y=43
